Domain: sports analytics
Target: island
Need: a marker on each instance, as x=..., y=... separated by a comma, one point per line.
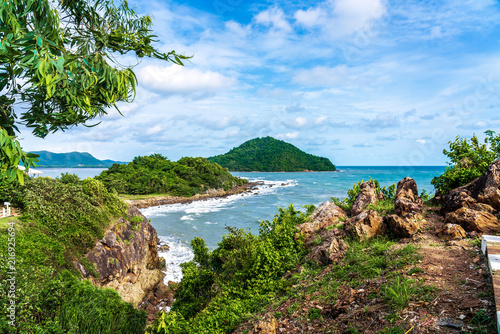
x=71, y=160
x=271, y=155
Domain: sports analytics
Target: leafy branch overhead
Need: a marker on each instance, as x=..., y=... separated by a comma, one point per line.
x=57, y=59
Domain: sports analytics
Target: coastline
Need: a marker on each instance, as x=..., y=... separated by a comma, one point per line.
x=211, y=193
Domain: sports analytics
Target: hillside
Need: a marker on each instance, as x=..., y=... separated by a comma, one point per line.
x=155, y=174
x=71, y=159
x=271, y=155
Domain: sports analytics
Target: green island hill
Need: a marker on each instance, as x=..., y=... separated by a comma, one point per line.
x=271, y=155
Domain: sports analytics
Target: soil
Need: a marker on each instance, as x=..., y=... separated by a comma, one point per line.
x=463, y=301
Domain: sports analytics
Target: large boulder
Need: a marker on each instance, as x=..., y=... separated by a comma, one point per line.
x=402, y=227
x=366, y=225
x=485, y=189
x=325, y=215
x=367, y=195
x=472, y=220
x=407, y=200
x=451, y=232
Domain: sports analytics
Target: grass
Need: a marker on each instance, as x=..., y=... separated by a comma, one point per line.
x=4, y=222
x=385, y=207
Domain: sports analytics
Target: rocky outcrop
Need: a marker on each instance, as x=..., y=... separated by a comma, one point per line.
x=472, y=220
x=366, y=225
x=407, y=200
x=451, y=232
x=402, y=227
x=325, y=215
x=126, y=259
x=485, y=189
x=367, y=195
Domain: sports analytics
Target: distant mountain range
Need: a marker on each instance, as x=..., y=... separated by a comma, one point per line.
x=271, y=155
x=71, y=159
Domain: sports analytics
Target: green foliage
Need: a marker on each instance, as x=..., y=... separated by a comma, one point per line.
x=61, y=223
x=468, y=159
x=347, y=202
x=65, y=219
x=69, y=178
x=156, y=174
x=221, y=287
x=385, y=207
x=399, y=292
x=271, y=155
x=57, y=60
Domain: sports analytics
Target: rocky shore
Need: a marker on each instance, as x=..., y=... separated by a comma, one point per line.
x=211, y=193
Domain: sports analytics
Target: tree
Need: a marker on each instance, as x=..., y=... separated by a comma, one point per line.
x=57, y=61
x=469, y=159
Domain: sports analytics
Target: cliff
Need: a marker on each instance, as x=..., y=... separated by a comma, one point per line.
x=126, y=259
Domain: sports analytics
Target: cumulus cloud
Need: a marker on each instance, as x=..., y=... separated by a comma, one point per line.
x=338, y=18
x=273, y=17
x=364, y=144
x=181, y=80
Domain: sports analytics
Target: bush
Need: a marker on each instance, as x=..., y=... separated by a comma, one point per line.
x=469, y=159
x=239, y=277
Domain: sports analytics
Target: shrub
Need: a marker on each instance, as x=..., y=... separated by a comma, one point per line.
x=239, y=277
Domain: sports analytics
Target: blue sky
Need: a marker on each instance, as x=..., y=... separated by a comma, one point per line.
x=361, y=82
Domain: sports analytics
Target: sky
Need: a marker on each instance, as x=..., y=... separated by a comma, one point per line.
x=361, y=82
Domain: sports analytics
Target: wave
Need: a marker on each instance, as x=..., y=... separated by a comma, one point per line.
x=178, y=253
x=216, y=204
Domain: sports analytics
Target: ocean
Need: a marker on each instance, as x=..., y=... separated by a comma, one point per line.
x=178, y=224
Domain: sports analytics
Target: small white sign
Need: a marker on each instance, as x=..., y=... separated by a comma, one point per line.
x=6, y=203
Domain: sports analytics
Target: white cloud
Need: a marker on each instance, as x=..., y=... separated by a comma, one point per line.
x=338, y=18
x=288, y=135
x=274, y=17
x=181, y=80
x=421, y=141
x=154, y=130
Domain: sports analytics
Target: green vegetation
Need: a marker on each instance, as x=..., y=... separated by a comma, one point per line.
x=63, y=75
x=271, y=155
x=71, y=159
x=156, y=174
x=62, y=220
x=469, y=159
x=388, y=192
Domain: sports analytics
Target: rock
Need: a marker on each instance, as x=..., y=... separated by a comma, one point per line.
x=337, y=249
x=469, y=302
x=331, y=250
x=485, y=189
x=482, y=207
x=452, y=232
x=164, y=248
x=325, y=215
x=127, y=259
x=81, y=269
x=267, y=325
x=381, y=196
x=407, y=200
x=366, y=225
x=471, y=220
x=367, y=195
x=402, y=227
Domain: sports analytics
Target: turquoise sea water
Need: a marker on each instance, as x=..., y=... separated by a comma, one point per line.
x=178, y=224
